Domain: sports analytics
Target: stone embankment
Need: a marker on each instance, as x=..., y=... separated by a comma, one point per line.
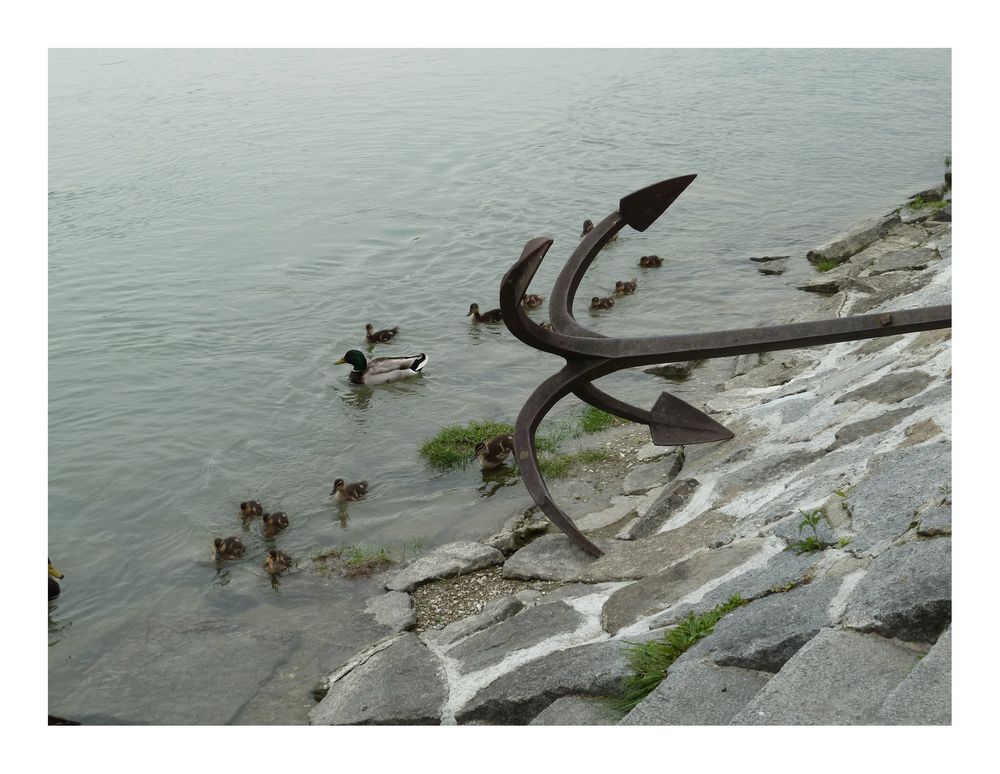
x=855, y=633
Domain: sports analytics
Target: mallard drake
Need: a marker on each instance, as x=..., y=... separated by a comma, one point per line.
x=382, y=370
x=228, y=548
x=492, y=316
x=273, y=523
x=373, y=336
x=588, y=226
x=345, y=491
x=276, y=561
x=650, y=261
x=493, y=452
x=250, y=509
x=53, y=583
x=626, y=287
x=533, y=301
x=601, y=303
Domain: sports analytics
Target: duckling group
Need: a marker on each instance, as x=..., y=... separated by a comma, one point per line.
x=490, y=454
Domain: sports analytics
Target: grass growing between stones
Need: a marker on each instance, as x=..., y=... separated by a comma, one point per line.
x=811, y=542
x=560, y=465
x=357, y=560
x=454, y=445
x=919, y=203
x=593, y=420
x=651, y=660
x=826, y=264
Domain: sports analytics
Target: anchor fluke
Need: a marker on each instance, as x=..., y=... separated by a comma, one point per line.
x=641, y=208
x=679, y=423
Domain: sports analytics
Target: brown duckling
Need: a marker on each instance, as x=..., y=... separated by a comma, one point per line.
x=532, y=301
x=276, y=561
x=626, y=287
x=373, y=336
x=650, y=261
x=251, y=509
x=491, y=316
x=228, y=548
x=601, y=303
x=588, y=226
x=345, y=491
x=493, y=452
x=273, y=523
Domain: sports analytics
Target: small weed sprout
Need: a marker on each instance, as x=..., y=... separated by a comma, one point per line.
x=811, y=542
x=826, y=264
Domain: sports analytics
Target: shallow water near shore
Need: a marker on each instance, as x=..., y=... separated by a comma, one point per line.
x=222, y=224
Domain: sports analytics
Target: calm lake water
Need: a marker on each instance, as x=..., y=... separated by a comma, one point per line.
x=223, y=223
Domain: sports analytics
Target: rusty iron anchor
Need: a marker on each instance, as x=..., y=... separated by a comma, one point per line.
x=590, y=355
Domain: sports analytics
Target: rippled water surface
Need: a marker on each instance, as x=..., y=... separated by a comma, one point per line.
x=222, y=224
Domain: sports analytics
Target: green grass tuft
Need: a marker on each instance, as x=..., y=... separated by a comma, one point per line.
x=454, y=445
x=560, y=465
x=593, y=420
x=826, y=264
x=920, y=203
x=651, y=660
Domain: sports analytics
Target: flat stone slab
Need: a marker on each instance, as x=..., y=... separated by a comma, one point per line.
x=401, y=685
x=783, y=571
x=856, y=431
x=670, y=501
x=216, y=665
x=934, y=521
x=621, y=507
x=493, y=645
x=883, y=504
x=775, y=267
x=518, y=696
x=906, y=592
x=496, y=611
x=780, y=370
x=576, y=711
x=393, y=610
x=650, y=475
x=924, y=696
x=554, y=557
x=891, y=388
x=763, y=635
x=856, y=239
x=445, y=561
x=660, y=590
x=697, y=693
x=913, y=259
x=837, y=678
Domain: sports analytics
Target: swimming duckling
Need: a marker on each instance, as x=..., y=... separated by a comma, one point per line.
x=276, y=561
x=228, y=548
x=373, y=336
x=251, y=509
x=650, y=261
x=273, y=523
x=626, y=287
x=492, y=316
x=601, y=303
x=533, y=301
x=53, y=584
x=381, y=370
x=493, y=452
x=345, y=491
x=588, y=226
